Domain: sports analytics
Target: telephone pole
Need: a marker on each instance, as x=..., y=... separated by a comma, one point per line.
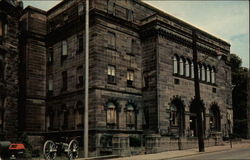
x=197, y=100
x=86, y=99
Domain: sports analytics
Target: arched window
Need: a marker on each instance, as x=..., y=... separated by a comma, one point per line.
x=193, y=119
x=213, y=75
x=79, y=115
x=208, y=74
x=177, y=119
x=215, y=121
x=130, y=115
x=187, y=68
x=111, y=114
x=192, y=70
x=203, y=73
x=175, y=61
x=173, y=115
x=199, y=71
x=181, y=66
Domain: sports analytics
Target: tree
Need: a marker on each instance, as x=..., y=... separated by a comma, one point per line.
x=239, y=95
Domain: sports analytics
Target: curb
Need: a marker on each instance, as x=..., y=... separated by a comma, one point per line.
x=199, y=153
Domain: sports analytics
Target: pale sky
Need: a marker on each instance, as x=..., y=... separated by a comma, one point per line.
x=228, y=20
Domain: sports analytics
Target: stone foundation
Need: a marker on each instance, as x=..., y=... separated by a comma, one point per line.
x=156, y=143
x=121, y=145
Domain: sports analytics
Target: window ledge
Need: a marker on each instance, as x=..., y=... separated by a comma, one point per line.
x=111, y=48
x=192, y=79
x=130, y=53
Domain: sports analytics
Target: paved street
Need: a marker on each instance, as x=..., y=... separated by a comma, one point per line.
x=239, y=151
x=229, y=154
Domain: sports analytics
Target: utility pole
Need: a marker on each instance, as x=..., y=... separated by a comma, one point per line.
x=86, y=100
x=197, y=100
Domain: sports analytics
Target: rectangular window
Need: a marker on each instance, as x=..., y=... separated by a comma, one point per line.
x=64, y=48
x=50, y=55
x=5, y=29
x=79, y=76
x=111, y=74
x=111, y=7
x=50, y=85
x=111, y=40
x=80, y=43
x=130, y=16
x=133, y=46
x=130, y=78
x=64, y=81
x=80, y=9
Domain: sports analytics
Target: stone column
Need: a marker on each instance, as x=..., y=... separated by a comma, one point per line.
x=152, y=143
x=121, y=145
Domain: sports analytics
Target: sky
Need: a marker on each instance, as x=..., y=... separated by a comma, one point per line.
x=227, y=20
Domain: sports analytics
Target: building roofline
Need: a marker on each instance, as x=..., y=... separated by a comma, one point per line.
x=177, y=20
x=57, y=6
x=34, y=9
x=158, y=11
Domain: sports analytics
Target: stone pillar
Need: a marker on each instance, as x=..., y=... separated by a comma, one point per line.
x=152, y=143
x=207, y=132
x=187, y=124
x=120, y=144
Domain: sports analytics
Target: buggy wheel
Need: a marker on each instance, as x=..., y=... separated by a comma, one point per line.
x=73, y=149
x=49, y=150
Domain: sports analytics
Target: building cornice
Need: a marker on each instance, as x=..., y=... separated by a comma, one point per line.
x=180, y=22
x=155, y=28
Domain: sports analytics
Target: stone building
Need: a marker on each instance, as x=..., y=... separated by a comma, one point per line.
x=10, y=12
x=141, y=76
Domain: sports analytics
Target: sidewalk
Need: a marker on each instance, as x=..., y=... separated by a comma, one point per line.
x=171, y=154
x=182, y=153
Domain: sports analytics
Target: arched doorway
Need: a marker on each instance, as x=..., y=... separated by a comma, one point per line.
x=177, y=119
x=215, y=122
x=193, y=119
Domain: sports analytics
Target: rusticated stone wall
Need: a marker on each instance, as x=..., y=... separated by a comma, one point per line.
x=9, y=83
x=33, y=69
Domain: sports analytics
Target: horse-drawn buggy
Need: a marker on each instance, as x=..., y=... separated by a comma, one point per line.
x=61, y=145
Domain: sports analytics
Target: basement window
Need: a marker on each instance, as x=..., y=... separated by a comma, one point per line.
x=176, y=81
x=214, y=90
